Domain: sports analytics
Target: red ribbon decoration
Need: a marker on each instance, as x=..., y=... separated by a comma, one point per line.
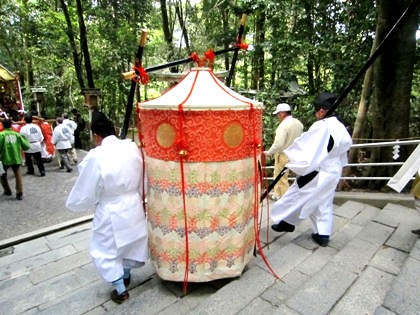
x=242, y=45
x=207, y=59
x=143, y=77
x=194, y=56
x=209, y=56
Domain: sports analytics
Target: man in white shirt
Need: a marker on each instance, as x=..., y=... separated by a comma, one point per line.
x=33, y=133
x=72, y=126
x=62, y=139
x=288, y=130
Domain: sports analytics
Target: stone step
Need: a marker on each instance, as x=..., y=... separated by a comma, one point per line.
x=369, y=267
x=350, y=276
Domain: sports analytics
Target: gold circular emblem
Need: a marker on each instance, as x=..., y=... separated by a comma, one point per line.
x=233, y=135
x=165, y=135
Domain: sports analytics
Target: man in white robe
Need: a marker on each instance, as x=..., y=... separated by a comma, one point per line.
x=111, y=181
x=317, y=157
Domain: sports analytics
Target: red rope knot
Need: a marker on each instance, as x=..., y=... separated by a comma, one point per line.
x=206, y=60
x=195, y=57
x=241, y=45
x=143, y=77
x=209, y=56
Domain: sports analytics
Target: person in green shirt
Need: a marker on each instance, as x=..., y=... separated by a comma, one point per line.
x=11, y=145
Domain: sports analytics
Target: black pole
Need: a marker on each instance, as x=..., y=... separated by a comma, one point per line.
x=235, y=53
x=182, y=61
x=404, y=17
x=272, y=184
x=401, y=21
x=129, y=108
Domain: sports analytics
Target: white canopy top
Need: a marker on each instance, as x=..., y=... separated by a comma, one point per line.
x=201, y=90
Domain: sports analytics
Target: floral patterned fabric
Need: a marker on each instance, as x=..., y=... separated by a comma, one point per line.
x=219, y=202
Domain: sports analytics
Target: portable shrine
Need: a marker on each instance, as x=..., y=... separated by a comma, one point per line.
x=202, y=142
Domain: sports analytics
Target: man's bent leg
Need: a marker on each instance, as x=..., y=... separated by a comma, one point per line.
x=283, y=184
x=19, y=184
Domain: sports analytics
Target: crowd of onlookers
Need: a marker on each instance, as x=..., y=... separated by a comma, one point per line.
x=27, y=139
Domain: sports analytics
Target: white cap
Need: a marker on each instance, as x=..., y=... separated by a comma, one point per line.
x=283, y=107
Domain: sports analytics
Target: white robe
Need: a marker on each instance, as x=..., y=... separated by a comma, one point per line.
x=308, y=154
x=410, y=167
x=110, y=181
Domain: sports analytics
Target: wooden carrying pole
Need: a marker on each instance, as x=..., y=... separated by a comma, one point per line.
x=129, y=108
x=236, y=51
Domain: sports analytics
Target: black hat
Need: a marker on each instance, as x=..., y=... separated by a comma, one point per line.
x=325, y=101
x=100, y=123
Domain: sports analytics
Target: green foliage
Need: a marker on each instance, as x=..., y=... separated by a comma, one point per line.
x=321, y=44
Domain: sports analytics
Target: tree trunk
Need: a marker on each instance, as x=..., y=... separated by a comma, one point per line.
x=227, y=42
x=360, y=122
x=310, y=64
x=393, y=75
x=70, y=35
x=84, y=45
x=258, y=63
x=167, y=33
x=179, y=13
x=29, y=75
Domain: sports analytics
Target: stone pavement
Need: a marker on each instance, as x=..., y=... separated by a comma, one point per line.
x=43, y=203
x=371, y=266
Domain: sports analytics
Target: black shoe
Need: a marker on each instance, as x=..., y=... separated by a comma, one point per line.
x=8, y=193
x=42, y=174
x=69, y=170
x=283, y=226
x=417, y=232
x=119, y=298
x=29, y=173
x=127, y=281
x=19, y=196
x=321, y=240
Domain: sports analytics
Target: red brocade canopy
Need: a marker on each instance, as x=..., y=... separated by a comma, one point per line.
x=203, y=117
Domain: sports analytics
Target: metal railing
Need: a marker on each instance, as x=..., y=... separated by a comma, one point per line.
x=367, y=164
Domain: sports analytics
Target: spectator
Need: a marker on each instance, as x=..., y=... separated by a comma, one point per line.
x=11, y=145
x=62, y=139
x=72, y=127
x=288, y=130
x=81, y=124
x=33, y=133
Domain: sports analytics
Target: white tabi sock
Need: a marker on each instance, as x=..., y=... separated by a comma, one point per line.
x=119, y=285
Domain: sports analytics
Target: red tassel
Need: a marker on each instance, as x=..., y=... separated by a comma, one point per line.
x=143, y=77
x=243, y=46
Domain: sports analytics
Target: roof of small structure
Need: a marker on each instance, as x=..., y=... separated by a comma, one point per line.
x=176, y=77
x=6, y=75
x=200, y=89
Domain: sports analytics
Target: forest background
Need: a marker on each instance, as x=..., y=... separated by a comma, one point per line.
x=297, y=49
